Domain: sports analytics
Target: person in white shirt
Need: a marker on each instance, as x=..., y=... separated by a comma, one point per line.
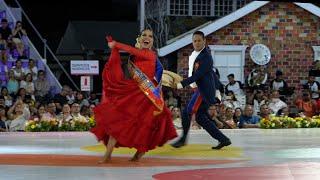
x=314, y=87
x=276, y=103
x=19, y=72
x=32, y=68
x=234, y=86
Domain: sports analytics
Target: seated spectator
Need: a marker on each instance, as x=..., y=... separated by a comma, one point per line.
x=229, y=121
x=13, y=84
x=284, y=112
x=2, y=101
x=42, y=87
x=81, y=100
x=19, y=114
x=32, y=69
x=172, y=101
x=41, y=111
x=50, y=112
x=258, y=98
x=231, y=101
x=248, y=120
x=234, y=86
x=19, y=33
x=75, y=111
x=61, y=98
x=65, y=114
x=5, y=30
x=278, y=83
x=33, y=110
x=28, y=85
x=176, y=116
x=313, y=86
x=258, y=77
x=21, y=94
x=264, y=112
x=276, y=103
x=8, y=99
x=19, y=72
x=307, y=105
x=213, y=113
x=85, y=111
x=93, y=99
x=3, y=119
x=91, y=107
x=71, y=95
x=237, y=115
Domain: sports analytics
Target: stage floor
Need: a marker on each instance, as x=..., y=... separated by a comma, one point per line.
x=256, y=154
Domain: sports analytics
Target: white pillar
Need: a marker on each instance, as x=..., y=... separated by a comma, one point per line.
x=142, y=14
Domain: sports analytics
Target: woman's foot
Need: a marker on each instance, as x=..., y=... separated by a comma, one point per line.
x=137, y=156
x=105, y=159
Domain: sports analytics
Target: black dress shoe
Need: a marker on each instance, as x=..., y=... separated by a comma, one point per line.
x=222, y=144
x=178, y=144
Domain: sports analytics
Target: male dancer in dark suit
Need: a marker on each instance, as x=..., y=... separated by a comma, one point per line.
x=205, y=79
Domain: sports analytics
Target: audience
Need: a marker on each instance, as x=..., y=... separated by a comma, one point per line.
x=248, y=120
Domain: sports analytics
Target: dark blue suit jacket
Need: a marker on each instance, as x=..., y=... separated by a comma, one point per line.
x=204, y=76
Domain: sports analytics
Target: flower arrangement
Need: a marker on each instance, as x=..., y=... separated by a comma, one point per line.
x=45, y=125
x=287, y=122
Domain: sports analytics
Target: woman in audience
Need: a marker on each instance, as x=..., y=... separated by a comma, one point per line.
x=32, y=69
x=21, y=94
x=19, y=114
x=91, y=110
x=306, y=105
x=19, y=72
x=41, y=111
x=7, y=97
x=229, y=121
x=85, y=111
x=18, y=34
x=13, y=84
x=81, y=100
x=176, y=116
x=231, y=100
x=237, y=114
x=65, y=114
x=28, y=85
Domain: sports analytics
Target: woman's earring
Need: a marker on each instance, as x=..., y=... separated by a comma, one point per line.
x=138, y=45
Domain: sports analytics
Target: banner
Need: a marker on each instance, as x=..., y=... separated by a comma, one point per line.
x=84, y=67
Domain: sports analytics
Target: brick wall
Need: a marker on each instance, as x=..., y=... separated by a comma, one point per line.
x=288, y=30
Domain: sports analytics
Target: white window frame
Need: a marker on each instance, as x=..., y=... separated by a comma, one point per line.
x=316, y=51
x=233, y=48
x=236, y=4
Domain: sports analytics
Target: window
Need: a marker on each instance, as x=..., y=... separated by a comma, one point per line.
x=204, y=7
x=316, y=50
x=201, y=7
x=223, y=7
x=179, y=7
x=229, y=59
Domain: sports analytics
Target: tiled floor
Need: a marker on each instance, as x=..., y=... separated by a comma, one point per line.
x=255, y=154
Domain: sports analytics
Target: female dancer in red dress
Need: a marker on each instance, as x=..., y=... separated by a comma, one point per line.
x=132, y=112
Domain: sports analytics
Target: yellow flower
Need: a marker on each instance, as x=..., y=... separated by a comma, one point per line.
x=33, y=126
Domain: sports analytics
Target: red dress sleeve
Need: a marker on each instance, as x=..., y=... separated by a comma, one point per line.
x=143, y=54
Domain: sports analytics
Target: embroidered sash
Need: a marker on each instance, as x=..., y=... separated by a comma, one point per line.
x=153, y=92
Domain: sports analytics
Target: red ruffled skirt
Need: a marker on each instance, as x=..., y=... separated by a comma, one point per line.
x=126, y=114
